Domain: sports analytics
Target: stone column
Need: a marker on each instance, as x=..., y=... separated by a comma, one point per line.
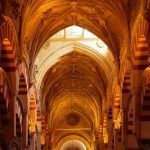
x=12, y=118
x=24, y=130
x=110, y=136
x=137, y=102
x=115, y=139
x=32, y=143
x=38, y=141
x=101, y=138
x=124, y=127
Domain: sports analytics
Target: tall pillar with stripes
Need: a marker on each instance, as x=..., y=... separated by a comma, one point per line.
x=43, y=135
x=32, y=120
x=116, y=108
x=105, y=132
x=110, y=128
x=39, y=125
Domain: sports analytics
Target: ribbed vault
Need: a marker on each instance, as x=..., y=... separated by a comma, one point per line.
x=73, y=81
x=53, y=56
x=77, y=83
x=74, y=74
x=106, y=20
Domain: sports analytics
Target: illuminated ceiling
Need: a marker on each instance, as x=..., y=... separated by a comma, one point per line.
x=73, y=145
x=72, y=39
x=45, y=18
x=74, y=76
x=75, y=51
x=75, y=47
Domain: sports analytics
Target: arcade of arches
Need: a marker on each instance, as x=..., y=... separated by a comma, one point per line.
x=74, y=74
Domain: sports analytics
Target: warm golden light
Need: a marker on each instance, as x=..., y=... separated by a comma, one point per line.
x=73, y=144
x=83, y=36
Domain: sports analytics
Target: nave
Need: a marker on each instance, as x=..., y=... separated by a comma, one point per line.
x=74, y=74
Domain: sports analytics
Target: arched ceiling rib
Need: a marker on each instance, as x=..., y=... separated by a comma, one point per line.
x=65, y=136
x=75, y=78
x=73, y=144
x=53, y=57
x=45, y=18
x=69, y=68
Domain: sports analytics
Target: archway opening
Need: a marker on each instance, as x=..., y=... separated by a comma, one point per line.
x=73, y=145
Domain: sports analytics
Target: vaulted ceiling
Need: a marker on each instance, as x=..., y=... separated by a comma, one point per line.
x=73, y=82
x=76, y=83
x=73, y=78
x=76, y=67
x=42, y=19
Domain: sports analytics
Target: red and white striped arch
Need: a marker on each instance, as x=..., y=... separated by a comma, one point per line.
x=43, y=136
x=127, y=83
x=22, y=85
x=145, y=103
x=141, y=56
x=117, y=102
x=9, y=49
x=33, y=110
x=39, y=117
x=141, y=45
x=105, y=133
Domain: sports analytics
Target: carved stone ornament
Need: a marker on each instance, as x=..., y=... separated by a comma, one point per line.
x=74, y=5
